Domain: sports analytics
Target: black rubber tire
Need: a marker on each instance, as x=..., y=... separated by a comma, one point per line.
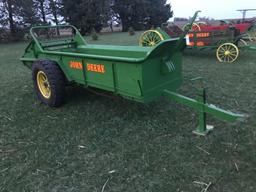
x=56, y=80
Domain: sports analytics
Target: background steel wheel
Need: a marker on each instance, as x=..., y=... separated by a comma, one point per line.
x=150, y=38
x=49, y=82
x=227, y=52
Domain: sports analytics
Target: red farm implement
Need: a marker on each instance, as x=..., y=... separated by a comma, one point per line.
x=226, y=39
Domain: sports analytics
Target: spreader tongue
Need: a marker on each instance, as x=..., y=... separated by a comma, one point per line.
x=204, y=108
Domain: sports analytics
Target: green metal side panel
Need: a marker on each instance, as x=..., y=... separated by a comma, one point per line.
x=76, y=75
x=99, y=80
x=128, y=80
x=142, y=80
x=157, y=76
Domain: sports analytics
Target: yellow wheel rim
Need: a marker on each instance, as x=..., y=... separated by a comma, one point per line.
x=43, y=84
x=150, y=38
x=227, y=52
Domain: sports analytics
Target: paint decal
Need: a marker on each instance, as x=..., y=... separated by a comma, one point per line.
x=76, y=65
x=98, y=68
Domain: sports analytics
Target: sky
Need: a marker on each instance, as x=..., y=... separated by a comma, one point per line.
x=217, y=9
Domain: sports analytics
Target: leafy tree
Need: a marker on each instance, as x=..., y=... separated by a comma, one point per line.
x=49, y=10
x=27, y=13
x=55, y=7
x=86, y=14
x=16, y=16
x=42, y=6
x=141, y=14
x=19, y=14
x=8, y=10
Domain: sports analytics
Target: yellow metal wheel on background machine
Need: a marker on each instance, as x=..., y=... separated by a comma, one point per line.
x=150, y=38
x=227, y=52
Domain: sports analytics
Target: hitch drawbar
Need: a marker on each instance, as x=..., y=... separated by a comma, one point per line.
x=203, y=108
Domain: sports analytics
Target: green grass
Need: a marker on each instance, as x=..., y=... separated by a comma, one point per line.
x=150, y=147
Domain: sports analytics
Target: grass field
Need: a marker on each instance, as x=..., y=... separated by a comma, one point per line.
x=95, y=143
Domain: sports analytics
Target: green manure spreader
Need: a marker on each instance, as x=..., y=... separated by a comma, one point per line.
x=59, y=55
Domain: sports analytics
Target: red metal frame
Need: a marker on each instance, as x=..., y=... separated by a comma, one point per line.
x=242, y=27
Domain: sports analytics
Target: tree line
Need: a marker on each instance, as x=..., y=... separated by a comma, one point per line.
x=17, y=16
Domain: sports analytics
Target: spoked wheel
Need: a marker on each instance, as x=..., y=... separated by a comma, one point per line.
x=194, y=27
x=150, y=38
x=227, y=52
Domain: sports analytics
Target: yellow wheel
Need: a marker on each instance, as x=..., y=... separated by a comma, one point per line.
x=194, y=27
x=227, y=52
x=43, y=84
x=49, y=82
x=150, y=38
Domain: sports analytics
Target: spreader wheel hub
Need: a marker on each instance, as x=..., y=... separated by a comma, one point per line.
x=43, y=84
